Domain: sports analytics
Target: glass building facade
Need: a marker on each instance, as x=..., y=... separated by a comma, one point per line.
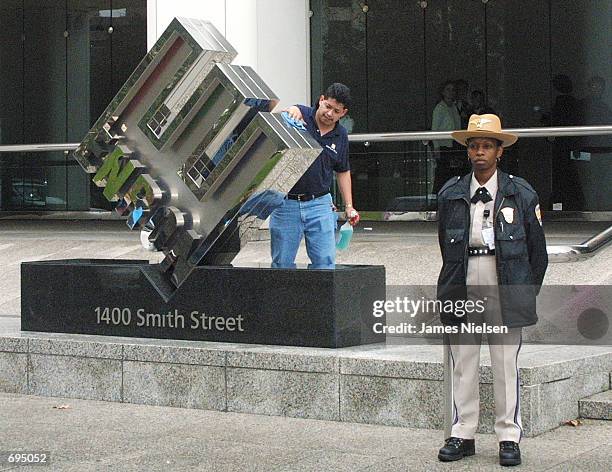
x=534, y=62
x=61, y=63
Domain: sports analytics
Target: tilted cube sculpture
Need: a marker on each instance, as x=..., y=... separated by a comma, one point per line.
x=189, y=150
x=189, y=147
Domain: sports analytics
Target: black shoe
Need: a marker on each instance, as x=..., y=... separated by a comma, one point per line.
x=509, y=453
x=456, y=448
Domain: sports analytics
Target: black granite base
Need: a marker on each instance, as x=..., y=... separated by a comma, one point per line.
x=294, y=307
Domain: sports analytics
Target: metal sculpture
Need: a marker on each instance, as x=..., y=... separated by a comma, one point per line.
x=189, y=149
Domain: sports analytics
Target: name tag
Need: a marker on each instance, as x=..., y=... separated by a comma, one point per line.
x=488, y=237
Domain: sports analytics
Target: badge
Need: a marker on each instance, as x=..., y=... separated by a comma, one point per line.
x=508, y=214
x=538, y=214
x=480, y=122
x=488, y=237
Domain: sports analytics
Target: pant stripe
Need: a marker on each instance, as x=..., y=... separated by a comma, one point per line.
x=517, y=408
x=455, y=414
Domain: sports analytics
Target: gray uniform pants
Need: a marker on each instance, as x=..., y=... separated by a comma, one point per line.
x=503, y=349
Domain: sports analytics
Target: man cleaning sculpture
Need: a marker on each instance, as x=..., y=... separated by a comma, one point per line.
x=308, y=210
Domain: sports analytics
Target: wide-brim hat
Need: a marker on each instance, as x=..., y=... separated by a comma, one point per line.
x=484, y=126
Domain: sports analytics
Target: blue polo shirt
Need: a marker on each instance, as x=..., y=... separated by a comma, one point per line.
x=334, y=157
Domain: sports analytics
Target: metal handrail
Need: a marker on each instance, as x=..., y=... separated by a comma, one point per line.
x=580, y=251
x=520, y=132
x=377, y=137
x=556, y=253
x=39, y=147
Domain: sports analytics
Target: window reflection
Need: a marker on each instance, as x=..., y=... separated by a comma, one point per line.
x=60, y=68
x=534, y=63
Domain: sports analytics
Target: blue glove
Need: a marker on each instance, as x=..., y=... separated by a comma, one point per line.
x=290, y=121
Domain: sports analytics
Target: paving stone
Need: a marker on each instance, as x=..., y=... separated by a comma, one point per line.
x=75, y=377
x=270, y=392
x=558, y=401
x=97, y=435
x=391, y=401
x=185, y=386
x=295, y=359
x=13, y=344
x=13, y=372
x=76, y=348
x=174, y=354
x=598, y=406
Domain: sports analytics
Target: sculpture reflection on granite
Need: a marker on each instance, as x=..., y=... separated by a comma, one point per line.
x=185, y=143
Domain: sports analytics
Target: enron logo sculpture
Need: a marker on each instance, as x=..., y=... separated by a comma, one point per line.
x=189, y=148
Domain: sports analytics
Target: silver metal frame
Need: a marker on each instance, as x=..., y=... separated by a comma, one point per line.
x=377, y=137
x=66, y=147
x=557, y=253
x=580, y=251
x=367, y=138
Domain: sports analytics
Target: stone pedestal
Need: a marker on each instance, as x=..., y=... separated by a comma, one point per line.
x=293, y=307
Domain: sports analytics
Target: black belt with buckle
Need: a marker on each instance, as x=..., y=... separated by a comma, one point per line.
x=480, y=251
x=305, y=197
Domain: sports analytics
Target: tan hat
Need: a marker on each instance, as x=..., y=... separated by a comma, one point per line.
x=484, y=126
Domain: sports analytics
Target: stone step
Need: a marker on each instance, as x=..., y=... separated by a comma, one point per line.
x=395, y=385
x=598, y=406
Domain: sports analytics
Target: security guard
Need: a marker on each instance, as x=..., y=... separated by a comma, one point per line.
x=493, y=251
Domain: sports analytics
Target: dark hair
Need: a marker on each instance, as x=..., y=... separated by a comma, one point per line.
x=339, y=92
x=443, y=85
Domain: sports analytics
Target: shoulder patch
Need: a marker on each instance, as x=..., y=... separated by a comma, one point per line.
x=538, y=214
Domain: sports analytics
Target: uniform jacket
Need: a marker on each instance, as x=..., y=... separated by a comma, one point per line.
x=520, y=246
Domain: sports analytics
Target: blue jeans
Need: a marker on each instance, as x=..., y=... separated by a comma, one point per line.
x=316, y=221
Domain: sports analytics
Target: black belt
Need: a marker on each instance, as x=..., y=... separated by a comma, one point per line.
x=480, y=251
x=305, y=197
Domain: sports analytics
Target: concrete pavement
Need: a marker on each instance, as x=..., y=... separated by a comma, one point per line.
x=99, y=436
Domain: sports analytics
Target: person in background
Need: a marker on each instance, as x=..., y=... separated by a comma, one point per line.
x=479, y=105
x=446, y=118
